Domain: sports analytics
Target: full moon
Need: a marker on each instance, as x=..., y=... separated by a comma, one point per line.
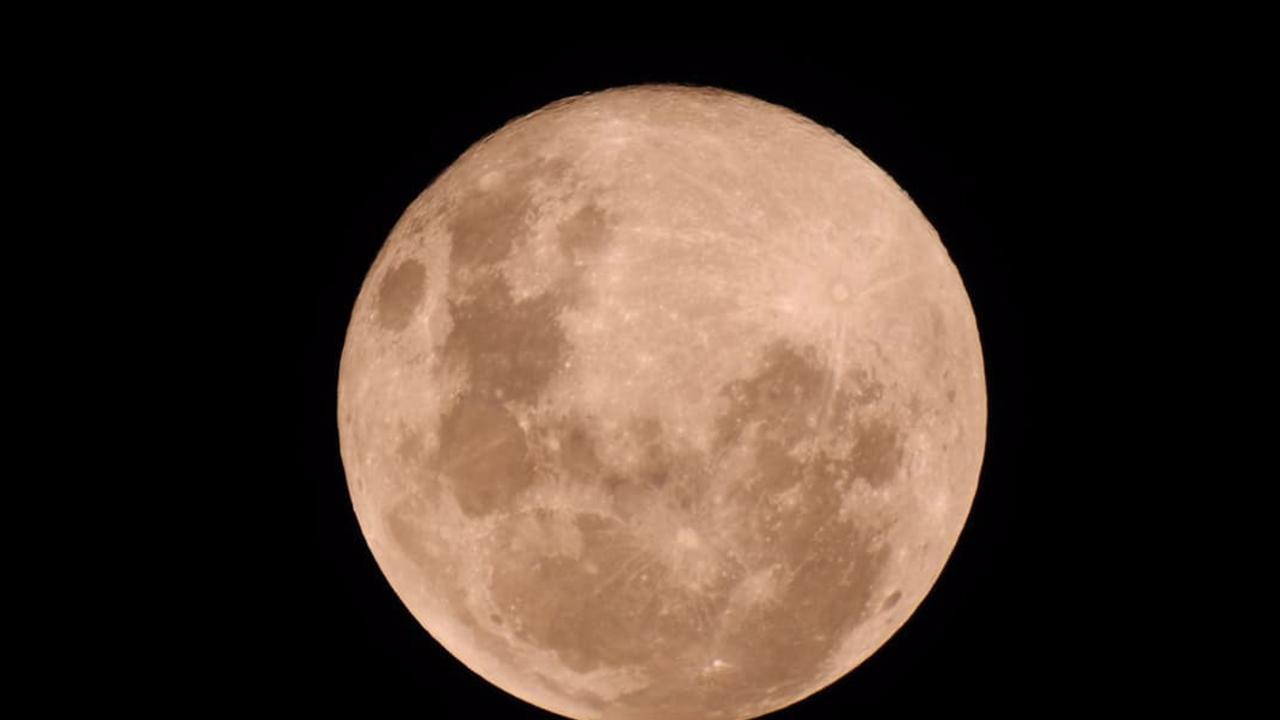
x=662, y=402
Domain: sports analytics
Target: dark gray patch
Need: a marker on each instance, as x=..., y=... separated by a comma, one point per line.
x=483, y=452
x=406, y=522
x=507, y=348
x=937, y=323
x=409, y=449
x=610, y=617
x=875, y=446
x=403, y=521
x=486, y=225
x=656, y=463
x=787, y=389
x=864, y=389
x=828, y=566
x=401, y=291
x=890, y=601
x=626, y=492
x=415, y=466
x=778, y=647
x=584, y=233
x=574, y=456
x=877, y=452
x=831, y=568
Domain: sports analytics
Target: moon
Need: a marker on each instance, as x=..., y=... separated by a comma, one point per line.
x=662, y=402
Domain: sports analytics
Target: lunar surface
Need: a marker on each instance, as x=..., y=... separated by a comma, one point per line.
x=662, y=402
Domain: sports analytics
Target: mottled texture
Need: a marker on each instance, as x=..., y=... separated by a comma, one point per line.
x=399, y=294
x=662, y=403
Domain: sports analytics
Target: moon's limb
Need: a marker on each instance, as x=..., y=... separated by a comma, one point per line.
x=662, y=402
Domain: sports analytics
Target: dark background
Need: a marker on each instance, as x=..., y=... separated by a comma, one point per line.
x=984, y=147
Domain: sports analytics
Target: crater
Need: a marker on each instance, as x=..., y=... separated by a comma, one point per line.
x=891, y=600
x=484, y=454
x=401, y=291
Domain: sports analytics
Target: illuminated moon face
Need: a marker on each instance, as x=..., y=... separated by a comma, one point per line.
x=662, y=403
